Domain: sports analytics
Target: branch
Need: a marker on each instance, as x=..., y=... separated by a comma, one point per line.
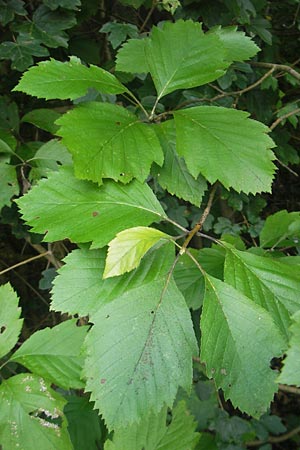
x=26, y=261
x=282, y=118
x=201, y=221
x=275, y=439
x=283, y=67
x=289, y=389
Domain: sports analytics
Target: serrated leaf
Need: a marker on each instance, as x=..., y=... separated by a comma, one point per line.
x=43, y=118
x=64, y=206
x=220, y=142
x=127, y=249
x=10, y=322
x=190, y=57
x=109, y=142
x=154, y=434
x=268, y=282
x=290, y=373
x=48, y=27
x=82, y=276
x=131, y=57
x=9, y=184
x=174, y=175
x=118, y=32
x=29, y=413
x=67, y=4
x=54, y=79
x=21, y=51
x=55, y=354
x=238, y=46
x=84, y=425
x=278, y=229
x=148, y=320
x=239, y=339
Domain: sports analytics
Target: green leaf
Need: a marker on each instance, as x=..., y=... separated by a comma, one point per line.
x=10, y=322
x=174, y=175
x=109, y=142
x=43, y=118
x=148, y=320
x=84, y=425
x=135, y=3
x=48, y=27
x=279, y=231
x=238, y=46
x=9, y=184
x=239, y=339
x=54, y=354
x=82, y=276
x=10, y=8
x=21, y=51
x=54, y=79
x=290, y=373
x=268, y=282
x=67, y=4
x=223, y=142
x=131, y=57
x=190, y=57
x=154, y=434
x=188, y=277
x=49, y=157
x=118, y=32
x=127, y=249
x=31, y=414
x=64, y=207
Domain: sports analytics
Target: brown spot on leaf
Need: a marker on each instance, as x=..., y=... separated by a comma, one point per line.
x=95, y=213
x=103, y=380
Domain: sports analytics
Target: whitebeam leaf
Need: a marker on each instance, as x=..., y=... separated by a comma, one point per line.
x=290, y=373
x=57, y=80
x=220, y=143
x=64, y=207
x=239, y=339
x=154, y=322
x=126, y=250
x=10, y=322
x=108, y=141
x=54, y=354
x=238, y=46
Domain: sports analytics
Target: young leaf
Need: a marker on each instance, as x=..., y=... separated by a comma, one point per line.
x=54, y=354
x=10, y=323
x=9, y=184
x=190, y=57
x=127, y=249
x=238, y=46
x=57, y=80
x=82, y=276
x=154, y=434
x=109, y=142
x=64, y=206
x=239, y=339
x=31, y=412
x=223, y=142
x=174, y=175
x=148, y=320
x=290, y=373
x=268, y=282
x=279, y=229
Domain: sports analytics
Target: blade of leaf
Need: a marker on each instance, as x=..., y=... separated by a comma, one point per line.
x=174, y=175
x=109, y=142
x=272, y=284
x=290, y=373
x=127, y=249
x=131, y=57
x=81, y=278
x=152, y=321
x=223, y=142
x=238, y=46
x=83, y=212
x=10, y=322
x=28, y=407
x=54, y=354
x=277, y=231
x=239, y=339
x=57, y=80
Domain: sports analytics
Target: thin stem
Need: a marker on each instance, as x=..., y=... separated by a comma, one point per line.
x=26, y=261
x=139, y=104
x=283, y=67
x=275, y=439
x=148, y=16
x=285, y=116
x=48, y=255
x=201, y=221
x=289, y=389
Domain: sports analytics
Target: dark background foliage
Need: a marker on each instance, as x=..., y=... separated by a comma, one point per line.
x=32, y=31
